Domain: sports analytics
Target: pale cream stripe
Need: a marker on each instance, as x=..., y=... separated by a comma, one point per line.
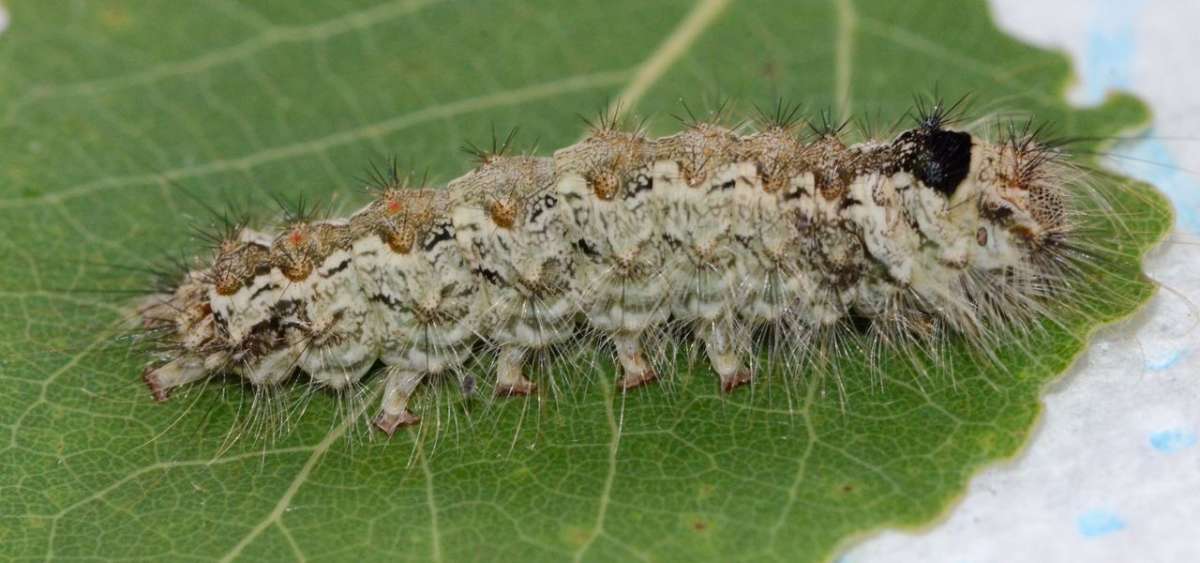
x=699, y=19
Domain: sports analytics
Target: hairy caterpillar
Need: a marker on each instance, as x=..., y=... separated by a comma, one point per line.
x=723, y=234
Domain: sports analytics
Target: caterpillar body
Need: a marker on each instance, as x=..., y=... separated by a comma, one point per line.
x=725, y=233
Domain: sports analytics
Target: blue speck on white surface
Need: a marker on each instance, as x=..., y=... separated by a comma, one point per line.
x=1096, y=523
x=1108, y=65
x=1171, y=441
x=1150, y=160
x=1110, y=49
x=1159, y=364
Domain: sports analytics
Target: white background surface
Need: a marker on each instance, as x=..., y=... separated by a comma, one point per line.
x=1113, y=470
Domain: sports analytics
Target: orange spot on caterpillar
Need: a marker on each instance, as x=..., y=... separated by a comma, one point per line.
x=503, y=214
x=228, y=287
x=401, y=242
x=298, y=273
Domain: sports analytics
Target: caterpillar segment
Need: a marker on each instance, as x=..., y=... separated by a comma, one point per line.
x=510, y=228
x=426, y=299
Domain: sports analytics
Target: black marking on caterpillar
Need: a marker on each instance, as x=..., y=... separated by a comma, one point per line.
x=621, y=235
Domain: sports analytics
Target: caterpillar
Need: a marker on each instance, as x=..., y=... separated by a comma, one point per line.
x=722, y=232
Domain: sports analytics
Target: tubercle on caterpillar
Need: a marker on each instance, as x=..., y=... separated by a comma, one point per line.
x=620, y=235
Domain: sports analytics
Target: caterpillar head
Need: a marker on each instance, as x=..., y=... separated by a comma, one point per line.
x=1006, y=198
x=1020, y=201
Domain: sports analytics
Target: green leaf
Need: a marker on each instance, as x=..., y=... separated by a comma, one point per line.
x=124, y=118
